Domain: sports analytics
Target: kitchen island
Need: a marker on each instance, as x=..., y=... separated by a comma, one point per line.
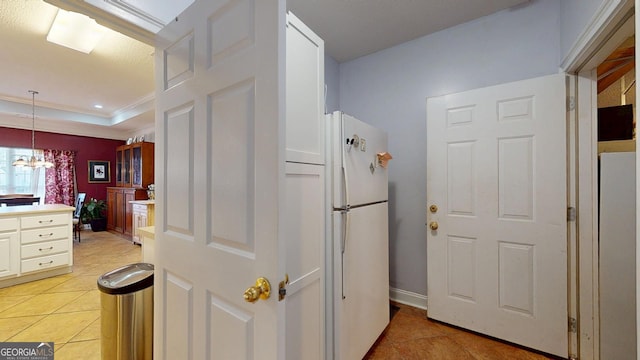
x=36, y=242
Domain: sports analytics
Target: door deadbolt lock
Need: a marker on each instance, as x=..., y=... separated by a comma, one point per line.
x=261, y=290
x=433, y=225
x=433, y=208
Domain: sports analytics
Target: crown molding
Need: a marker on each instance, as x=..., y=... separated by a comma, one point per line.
x=153, y=23
x=139, y=107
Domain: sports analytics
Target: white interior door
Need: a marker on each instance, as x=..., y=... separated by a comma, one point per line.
x=219, y=172
x=496, y=163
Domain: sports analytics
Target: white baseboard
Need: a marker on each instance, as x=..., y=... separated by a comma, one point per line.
x=408, y=298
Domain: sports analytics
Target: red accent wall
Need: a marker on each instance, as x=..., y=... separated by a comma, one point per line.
x=86, y=148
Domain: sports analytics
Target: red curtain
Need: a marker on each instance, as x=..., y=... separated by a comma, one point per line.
x=59, y=180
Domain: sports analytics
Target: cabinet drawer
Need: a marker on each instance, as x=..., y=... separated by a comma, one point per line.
x=46, y=234
x=39, y=221
x=44, y=248
x=45, y=262
x=8, y=224
x=139, y=208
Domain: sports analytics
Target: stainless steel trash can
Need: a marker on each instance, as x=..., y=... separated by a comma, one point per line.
x=126, y=301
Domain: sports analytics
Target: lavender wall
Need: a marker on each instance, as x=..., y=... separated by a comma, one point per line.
x=332, y=84
x=388, y=89
x=575, y=16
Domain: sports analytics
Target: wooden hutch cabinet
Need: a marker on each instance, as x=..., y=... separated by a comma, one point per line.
x=134, y=173
x=134, y=165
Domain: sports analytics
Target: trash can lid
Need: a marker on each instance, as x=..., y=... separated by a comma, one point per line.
x=127, y=279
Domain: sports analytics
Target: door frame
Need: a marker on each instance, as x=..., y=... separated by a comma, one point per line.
x=610, y=25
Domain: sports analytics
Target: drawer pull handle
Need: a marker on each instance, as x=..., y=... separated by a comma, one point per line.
x=46, y=235
x=47, y=263
x=49, y=248
x=45, y=221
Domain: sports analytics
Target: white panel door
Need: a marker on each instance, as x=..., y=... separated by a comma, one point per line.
x=219, y=174
x=496, y=170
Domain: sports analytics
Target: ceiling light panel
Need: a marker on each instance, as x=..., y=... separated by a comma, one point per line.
x=76, y=31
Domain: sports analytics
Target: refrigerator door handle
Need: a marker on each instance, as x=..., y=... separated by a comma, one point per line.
x=343, y=245
x=345, y=183
x=345, y=228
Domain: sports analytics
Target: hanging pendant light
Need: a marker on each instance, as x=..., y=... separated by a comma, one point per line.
x=33, y=162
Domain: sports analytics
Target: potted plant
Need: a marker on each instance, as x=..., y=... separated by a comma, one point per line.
x=93, y=212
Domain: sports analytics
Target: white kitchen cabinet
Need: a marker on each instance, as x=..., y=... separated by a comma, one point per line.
x=44, y=239
x=35, y=242
x=305, y=94
x=9, y=254
x=142, y=212
x=148, y=238
x=139, y=220
x=304, y=236
x=303, y=227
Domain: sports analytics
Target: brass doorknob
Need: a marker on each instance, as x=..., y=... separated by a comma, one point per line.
x=433, y=225
x=261, y=290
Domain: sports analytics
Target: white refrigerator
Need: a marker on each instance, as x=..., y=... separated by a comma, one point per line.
x=617, y=248
x=358, y=234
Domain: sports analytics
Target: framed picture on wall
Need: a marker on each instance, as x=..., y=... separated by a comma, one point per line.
x=99, y=171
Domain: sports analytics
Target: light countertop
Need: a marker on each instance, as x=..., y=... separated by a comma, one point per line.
x=147, y=231
x=143, y=202
x=34, y=209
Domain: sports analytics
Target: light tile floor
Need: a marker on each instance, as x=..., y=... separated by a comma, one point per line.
x=66, y=309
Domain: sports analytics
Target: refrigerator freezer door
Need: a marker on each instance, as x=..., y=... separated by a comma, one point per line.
x=361, y=279
x=355, y=146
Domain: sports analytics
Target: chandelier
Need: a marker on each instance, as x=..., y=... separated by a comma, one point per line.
x=33, y=161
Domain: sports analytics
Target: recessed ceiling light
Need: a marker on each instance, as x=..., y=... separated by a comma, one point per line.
x=97, y=106
x=76, y=31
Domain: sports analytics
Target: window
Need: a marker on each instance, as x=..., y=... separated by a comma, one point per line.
x=20, y=180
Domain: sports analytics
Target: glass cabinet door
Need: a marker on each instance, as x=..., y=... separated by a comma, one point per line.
x=119, y=167
x=127, y=167
x=136, y=166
